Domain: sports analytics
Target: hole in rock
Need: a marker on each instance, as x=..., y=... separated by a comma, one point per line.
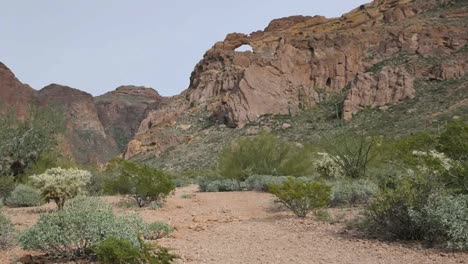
x=244, y=48
x=328, y=82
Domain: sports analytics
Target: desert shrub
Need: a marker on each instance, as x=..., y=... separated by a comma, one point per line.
x=301, y=197
x=328, y=167
x=352, y=192
x=7, y=185
x=120, y=251
x=59, y=184
x=142, y=183
x=445, y=219
x=225, y=185
x=50, y=159
x=352, y=152
x=24, y=196
x=264, y=154
x=158, y=230
x=117, y=251
x=261, y=182
x=7, y=232
x=155, y=254
x=391, y=212
x=82, y=224
x=454, y=141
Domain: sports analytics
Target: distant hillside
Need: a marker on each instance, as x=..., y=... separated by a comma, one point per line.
x=98, y=129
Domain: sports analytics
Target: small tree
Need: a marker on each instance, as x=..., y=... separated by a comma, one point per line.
x=61, y=184
x=143, y=183
x=301, y=197
x=24, y=141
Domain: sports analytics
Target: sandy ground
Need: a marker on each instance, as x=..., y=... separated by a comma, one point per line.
x=247, y=227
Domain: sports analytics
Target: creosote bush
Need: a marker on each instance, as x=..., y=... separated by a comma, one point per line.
x=24, y=196
x=82, y=224
x=142, y=183
x=59, y=184
x=301, y=197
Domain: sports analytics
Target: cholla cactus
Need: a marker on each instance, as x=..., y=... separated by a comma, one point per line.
x=328, y=166
x=60, y=184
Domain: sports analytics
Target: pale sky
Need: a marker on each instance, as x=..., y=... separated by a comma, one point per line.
x=98, y=45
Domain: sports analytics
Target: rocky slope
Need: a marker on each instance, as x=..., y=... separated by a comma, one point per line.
x=97, y=129
x=382, y=53
x=14, y=94
x=121, y=111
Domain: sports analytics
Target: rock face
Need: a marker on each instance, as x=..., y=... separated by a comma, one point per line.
x=296, y=56
x=391, y=85
x=97, y=129
x=85, y=139
x=299, y=61
x=121, y=111
x=14, y=94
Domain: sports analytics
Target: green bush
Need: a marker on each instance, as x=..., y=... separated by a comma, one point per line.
x=117, y=251
x=24, y=196
x=446, y=221
x=391, y=212
x=301, y=197
x=59, y=184
x=7, y=185
x=158, y=230
x=454, y=141
x=82, y=224
x=352, y=192
x=7, y=232
x=264, y=154
x=120, y=251
x=143, y=183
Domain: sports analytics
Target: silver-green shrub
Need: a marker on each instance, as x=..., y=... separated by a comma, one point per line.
x=7, y=232
x=24, y=196
x=447, y=220
x=261, y=182
x=83, y=223
x=352, y=192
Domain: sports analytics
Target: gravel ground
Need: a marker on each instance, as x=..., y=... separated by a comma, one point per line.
x=246, y=227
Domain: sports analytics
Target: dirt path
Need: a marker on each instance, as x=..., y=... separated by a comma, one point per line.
x=246, y=227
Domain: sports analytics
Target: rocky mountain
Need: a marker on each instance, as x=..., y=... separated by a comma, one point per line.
x=388, y=54
x=97, y=129
x=14, y=94
x=121, y=111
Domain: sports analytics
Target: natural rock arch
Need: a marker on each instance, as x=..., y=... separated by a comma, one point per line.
x=244, y=48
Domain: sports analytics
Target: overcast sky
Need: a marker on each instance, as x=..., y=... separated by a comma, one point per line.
x=98, y=45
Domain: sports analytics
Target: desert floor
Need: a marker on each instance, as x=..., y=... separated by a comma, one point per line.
x=247, y=227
